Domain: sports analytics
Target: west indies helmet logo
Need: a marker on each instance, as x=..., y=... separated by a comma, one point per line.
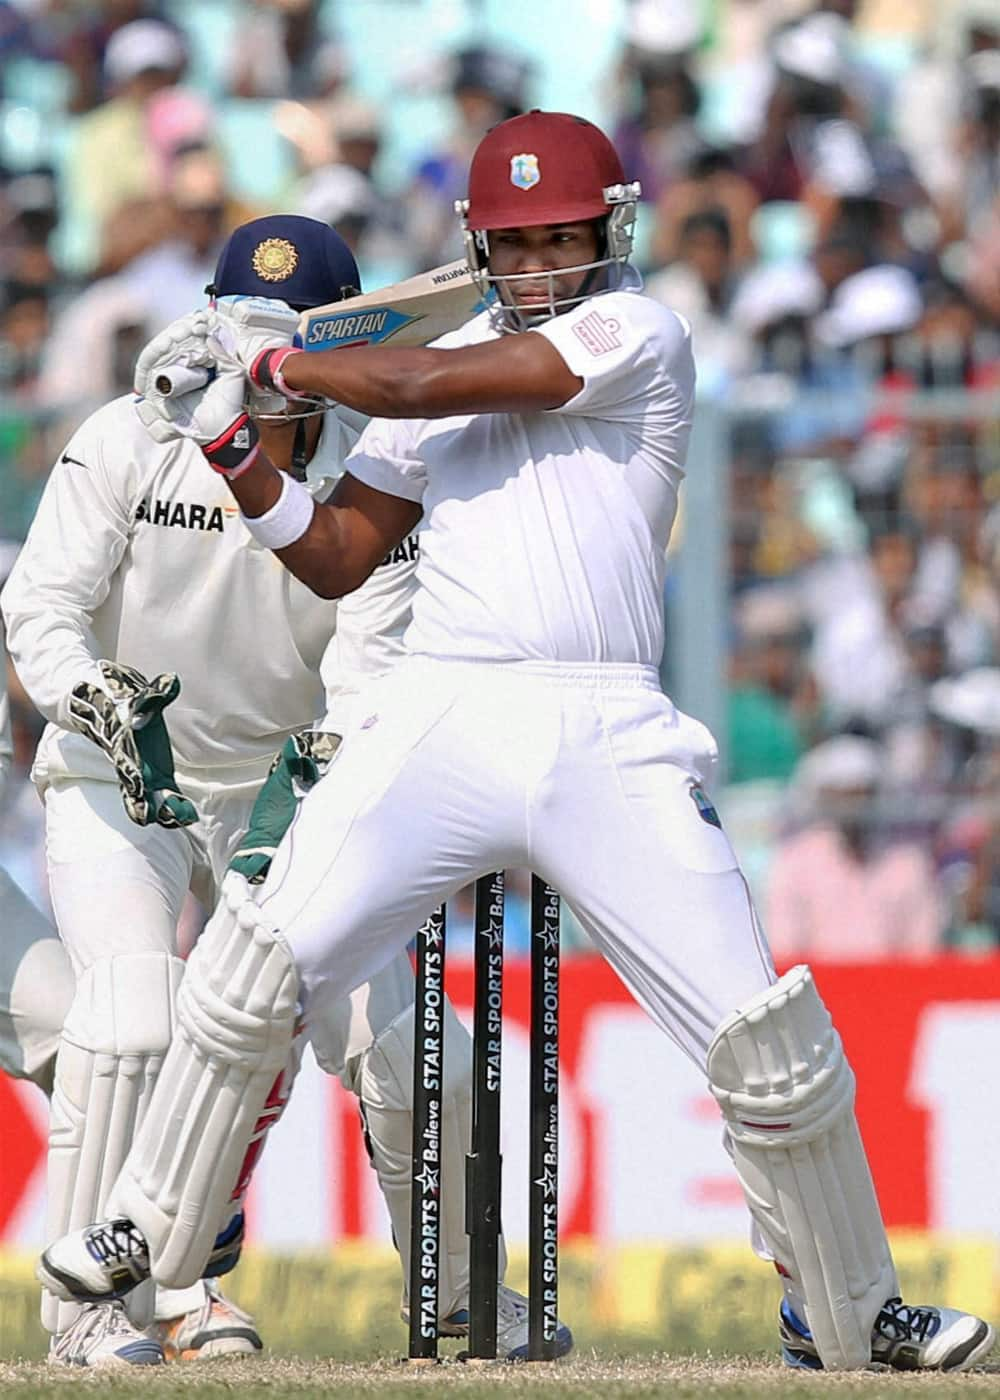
x=275, y=259
x=524, y=171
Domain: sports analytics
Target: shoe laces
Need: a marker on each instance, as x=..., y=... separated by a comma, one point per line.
x=95, y=1322
x=898, y=1322
x=512, y=1307
x=216, y=1299
x=116, y=1241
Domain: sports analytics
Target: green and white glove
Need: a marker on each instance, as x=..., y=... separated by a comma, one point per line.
x=298, y=766
x=126, y=721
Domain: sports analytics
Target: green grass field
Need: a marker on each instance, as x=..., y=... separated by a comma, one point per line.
x=585, y=1377
x=648, y=1320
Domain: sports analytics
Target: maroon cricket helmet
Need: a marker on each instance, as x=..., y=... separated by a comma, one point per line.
x=541, y=168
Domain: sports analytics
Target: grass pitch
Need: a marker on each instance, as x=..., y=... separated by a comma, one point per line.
x=581, y=1377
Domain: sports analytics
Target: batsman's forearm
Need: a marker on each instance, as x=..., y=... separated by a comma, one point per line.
x=381, y=381
x=321, y=558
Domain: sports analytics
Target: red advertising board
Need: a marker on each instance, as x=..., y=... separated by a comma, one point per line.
x=642, y=1155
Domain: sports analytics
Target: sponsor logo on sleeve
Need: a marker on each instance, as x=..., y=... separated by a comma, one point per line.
x=599, y=333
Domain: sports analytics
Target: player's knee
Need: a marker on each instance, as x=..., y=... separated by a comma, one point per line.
x=777, y=1067
x=239, y=997
x=385, y=1079
x=125, y=1005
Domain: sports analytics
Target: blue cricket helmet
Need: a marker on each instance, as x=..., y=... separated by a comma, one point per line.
x=300, y=261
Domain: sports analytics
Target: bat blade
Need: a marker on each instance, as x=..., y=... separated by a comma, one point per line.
x=413, y=312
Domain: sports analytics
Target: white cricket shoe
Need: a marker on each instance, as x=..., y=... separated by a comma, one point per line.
x=512, y=1326
x=103, y=1336
x=905, y=1337
x=97, y=1264
x=216, y=1328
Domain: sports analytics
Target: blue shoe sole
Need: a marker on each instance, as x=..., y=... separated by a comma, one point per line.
x=800, y=1360
x=564, y=1345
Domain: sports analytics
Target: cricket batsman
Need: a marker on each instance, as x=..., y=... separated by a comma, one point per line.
x=118, y=607
x=542, y=447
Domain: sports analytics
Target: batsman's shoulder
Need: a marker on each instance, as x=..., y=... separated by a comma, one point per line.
x=649, y=317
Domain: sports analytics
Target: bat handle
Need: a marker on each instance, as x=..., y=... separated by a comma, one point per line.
x=173, y=380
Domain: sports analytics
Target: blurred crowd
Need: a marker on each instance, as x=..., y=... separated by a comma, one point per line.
x=821, y=200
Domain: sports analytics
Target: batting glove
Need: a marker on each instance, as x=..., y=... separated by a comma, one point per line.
x=125, y=720
x=255, y=331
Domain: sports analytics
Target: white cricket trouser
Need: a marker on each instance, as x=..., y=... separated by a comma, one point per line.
x=582, y=773
x=36, y=987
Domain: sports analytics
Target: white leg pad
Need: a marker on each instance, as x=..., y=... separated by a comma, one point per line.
x=778, y=1071
x=220, y=1083
x=112, y=1046
x=384, y=1084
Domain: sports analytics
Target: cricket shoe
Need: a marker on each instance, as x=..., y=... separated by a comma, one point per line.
x=216, y=1328
x=904, y=1337
x=96, y=1264
x=227, y=1248
x=102, y=1335
x=512, y=1326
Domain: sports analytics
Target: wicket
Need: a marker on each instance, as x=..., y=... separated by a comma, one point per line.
x=483, y=1163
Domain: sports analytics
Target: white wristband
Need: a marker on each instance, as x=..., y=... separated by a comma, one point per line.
x=287, y=520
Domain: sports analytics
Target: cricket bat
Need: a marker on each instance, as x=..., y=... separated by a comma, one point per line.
x=413, y=312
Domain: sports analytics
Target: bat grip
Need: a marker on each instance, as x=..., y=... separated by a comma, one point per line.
x=173, y=380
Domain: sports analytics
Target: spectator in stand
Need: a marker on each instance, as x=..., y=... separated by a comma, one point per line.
x=658, y=135
x=341, y=189
x=809, y=69
x=710, y=182
x=968, y=707
x=838, y=891
x=954, y=583
x=699, y=285
x=172, y=276
x=280, y=50
x=113, y=160
x=935, y=101
x=488, y=85
x=773, y=702
x=114, y=316
x=30, y=204
x=24, y=326
x=859, y=652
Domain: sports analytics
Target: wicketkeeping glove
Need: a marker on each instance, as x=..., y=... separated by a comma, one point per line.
x=298, y=766
x=126, y=722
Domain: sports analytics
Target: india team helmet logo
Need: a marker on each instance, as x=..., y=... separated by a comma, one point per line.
x=275, y=259
x=524, y=171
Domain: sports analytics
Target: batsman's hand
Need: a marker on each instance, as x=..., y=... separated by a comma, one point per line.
x=213, y=415
x=125, y=720
x=297, y=767
x=244, y=326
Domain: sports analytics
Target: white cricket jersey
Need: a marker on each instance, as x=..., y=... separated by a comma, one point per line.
x=545, y=533
x=138, y=554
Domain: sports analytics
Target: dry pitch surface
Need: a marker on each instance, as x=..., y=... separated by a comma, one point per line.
x=580, y=1378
